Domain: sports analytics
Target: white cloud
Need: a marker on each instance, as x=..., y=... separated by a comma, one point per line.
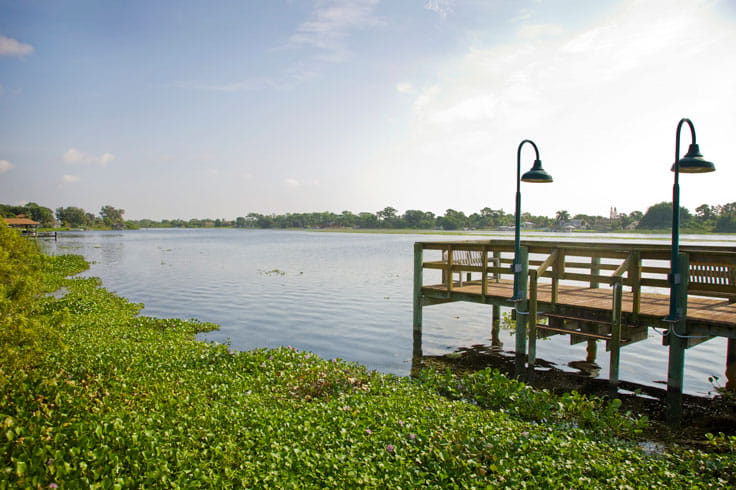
x=405, y=88
x=523, y=14
x=13, y=47
x=330, y=24
x=70, y=179
x=229, y=87
x=591, y=98
x=539, y=31
x=6, y=166
x=76, y=157
x=442, y=7
x=292, y=183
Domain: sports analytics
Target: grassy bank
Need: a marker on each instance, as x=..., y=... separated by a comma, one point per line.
x=109, y=399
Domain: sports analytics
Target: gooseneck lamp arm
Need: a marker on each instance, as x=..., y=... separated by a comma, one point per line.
x=517, y=229
x=693, y=162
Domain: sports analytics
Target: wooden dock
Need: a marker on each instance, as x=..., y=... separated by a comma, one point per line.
x=611, y=292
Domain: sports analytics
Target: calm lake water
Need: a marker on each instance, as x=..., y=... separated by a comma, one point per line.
x=338, y=295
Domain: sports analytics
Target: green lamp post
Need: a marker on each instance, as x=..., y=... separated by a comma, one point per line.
x=691, y=163
x=536, y=174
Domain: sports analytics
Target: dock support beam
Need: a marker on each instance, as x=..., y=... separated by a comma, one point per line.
x=615, y=335
x=731, y=365
x=418, y=282
x=496, y=343
x=522, y=311
x=678, y=342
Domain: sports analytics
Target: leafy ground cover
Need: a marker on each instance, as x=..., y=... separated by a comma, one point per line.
x=117, y=400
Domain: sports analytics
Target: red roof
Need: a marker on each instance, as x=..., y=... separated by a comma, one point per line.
x=21, y=222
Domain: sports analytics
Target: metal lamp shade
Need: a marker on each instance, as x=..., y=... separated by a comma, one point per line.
x=693, y=162
x=537, y=174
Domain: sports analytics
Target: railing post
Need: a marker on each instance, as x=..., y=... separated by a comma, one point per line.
x=595, y=270
x=635, y=280
x=418, y=282
x=450, y=263
x=522, y=311
x=484, y=272
x=557, y=271
x=678, y=343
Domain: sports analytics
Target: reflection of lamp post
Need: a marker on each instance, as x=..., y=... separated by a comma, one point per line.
x=536, y=174
x=691, y=163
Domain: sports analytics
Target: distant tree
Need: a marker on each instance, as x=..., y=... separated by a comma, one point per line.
x=704, y=212
x=240, y=222
x=367, y=220
x=491, y=218
x=112, y=217
x=659, y=216
x=419, y=220
x=727, y=209
x=39, y=213
x=726, y=224
x=347, y=219
x=453, y=220
x=72, y=216
x=387, y=217
x=562, y=217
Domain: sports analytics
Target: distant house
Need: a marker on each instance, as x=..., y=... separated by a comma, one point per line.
x=25, y=225
x=573, y=224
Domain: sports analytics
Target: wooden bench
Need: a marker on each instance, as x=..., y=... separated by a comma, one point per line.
x=712, y=279
x=472, y=258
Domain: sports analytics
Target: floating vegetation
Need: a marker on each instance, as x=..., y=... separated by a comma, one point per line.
x=272, y=272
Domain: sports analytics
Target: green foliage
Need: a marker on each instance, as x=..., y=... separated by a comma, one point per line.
x=132, y=401
x=21, y=266
x=492, y=390
x=112, y=217
x=659, y=216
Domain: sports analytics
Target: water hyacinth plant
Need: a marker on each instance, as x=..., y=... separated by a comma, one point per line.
x=126, y=401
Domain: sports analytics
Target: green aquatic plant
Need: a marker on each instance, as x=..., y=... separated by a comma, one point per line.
x=128, y=401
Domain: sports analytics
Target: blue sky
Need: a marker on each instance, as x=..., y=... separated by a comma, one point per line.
x=180, y=109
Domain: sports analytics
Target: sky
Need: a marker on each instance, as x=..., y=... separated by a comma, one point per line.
x=196, y=109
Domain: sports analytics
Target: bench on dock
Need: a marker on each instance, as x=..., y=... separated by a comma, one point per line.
x=466, y=261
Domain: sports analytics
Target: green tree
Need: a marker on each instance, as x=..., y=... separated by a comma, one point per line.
x=419, y=220
x=562, y=217
x=72, y=217
x=367, y=220
x=39, y=213
x=659, y=217
x=112, y=217
x=726, y=224
x=453, y=220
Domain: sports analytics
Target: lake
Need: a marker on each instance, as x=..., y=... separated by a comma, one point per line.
x=339, y=295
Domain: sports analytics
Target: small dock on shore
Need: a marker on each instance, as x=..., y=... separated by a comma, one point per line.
x=610, y=292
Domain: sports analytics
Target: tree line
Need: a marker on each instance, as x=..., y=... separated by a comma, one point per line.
x=706, y=218
x=67, y=217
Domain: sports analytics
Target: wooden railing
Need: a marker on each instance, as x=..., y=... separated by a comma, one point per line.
x=712, y=270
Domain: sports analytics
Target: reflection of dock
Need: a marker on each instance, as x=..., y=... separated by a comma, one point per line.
x=613, y=292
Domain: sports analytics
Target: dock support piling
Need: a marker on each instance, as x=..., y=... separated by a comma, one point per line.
x=522, y=312
x=731, y=365
x=418, y=282
x=496, y=343
x=532, y=320
x=615, y=335
x=678, y=342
